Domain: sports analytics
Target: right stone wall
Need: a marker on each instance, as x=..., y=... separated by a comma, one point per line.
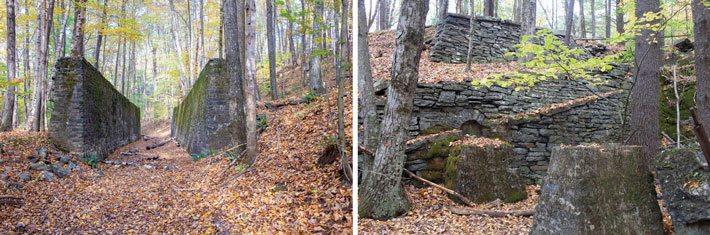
x=202, y=121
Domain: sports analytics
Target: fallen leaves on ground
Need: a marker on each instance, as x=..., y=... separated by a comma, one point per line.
x=382, y=46
x=285, y=193
x=478, y=141
x=429, y=216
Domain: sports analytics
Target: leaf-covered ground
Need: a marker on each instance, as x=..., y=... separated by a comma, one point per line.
x=430, y=216
x=286, y=192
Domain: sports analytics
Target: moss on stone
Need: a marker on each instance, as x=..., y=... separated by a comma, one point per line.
x=450, y=172
x=438, y=128
x=440, y=148
x=515, y=196
x=432, y=175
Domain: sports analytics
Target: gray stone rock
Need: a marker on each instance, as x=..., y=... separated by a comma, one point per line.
x=689, y=206
x=26, y=176
x=447, y=97
x=65, y=159
x=39, y=167
x=33, y=158
x=4, y=176
x=59, y=171
x=14, y=184
x=73, y=167
x=47, y=176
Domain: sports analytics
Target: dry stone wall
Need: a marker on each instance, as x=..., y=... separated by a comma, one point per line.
x=460, y=105
x=493, y=38
x=202, y=121
x=90, y=115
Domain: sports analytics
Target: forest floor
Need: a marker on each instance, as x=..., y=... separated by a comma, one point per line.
x=285, y=192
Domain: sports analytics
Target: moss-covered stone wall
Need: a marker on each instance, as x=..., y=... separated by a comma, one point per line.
x=202, y=121
x=90, y=116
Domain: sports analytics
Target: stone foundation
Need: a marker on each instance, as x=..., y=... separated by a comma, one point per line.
x=492, y=39
x=203, y=121
x=90, y=116
x=685, y=184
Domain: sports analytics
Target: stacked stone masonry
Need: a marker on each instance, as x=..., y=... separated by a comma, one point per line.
x=460, y=105
x=90, y=117
x=492, y=39
x=202, y=121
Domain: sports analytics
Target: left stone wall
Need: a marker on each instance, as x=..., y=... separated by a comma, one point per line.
x=89, y=115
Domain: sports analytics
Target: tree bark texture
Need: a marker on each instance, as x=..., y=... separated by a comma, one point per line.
x=77, y=42
x=8, y=105
x=250, y=33
x=234, y=64
x=701, y=20
x=272, y=49
x=382, y=195
x=569, y=21
x=645, y=93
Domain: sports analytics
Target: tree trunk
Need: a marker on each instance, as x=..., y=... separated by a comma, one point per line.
x=8, y=105
x=382, y=195
x=368, y=108
x=234, y=64
x=443, y=6
x=221, y=29
x=77, y=42
x=316, y=82
x=384, y=18
x=528, y=24
x=118, y=55
x=607, y=18
x=569, y=21
x=594, y=19
x=345, y=163
x=489, y=8
x=203, y=57
x=44, y=26
x=472, y=21
x=582, y=27
x=645, y=92
x=304, y=65
x=250, y=33
x=97, y=53
x=516, y=16
x=701, y=20
x=619, y=17
x=272, y=49
x=292, y=47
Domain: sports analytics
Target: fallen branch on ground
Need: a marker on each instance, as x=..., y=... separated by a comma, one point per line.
x=186, y=189
x=449, y=191
x=161, y=143
x=466, y=211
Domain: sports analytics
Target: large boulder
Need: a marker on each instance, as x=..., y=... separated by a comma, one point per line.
x=482, y=172
x=685, y=186
x=605, y=189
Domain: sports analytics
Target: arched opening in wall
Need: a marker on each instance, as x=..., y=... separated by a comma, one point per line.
x=472, y=128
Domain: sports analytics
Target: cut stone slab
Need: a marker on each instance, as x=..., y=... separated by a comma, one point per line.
x=25, y=177
x=685, y=185
x=90, y=117
x=47, y=176
x=204, y=120
x=606, y=189
x=482, y=174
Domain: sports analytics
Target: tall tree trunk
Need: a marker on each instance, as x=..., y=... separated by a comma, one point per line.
x=384, y=15
x=516, y=16
x=44, y=26
x=619, y=17
x=382, y=195
x=8, y=105
x=272, y=49
x=342, y=60
x=203, y=55
x=77, y=42
x=292, y=47
x=607, y=18
x=221, y=29
x=472, y=22
x=368, y=108
x=489, y=8
x=304, y=65
x=569, y=21
x=316, y=81
x=528, y=24
x=701, y=20
x=234, y=64
x=97, y=53
x=582, y=27
x=443, y=6
x=645, y=93
x=250, y=33
x=594, y=19
x=118, y=55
